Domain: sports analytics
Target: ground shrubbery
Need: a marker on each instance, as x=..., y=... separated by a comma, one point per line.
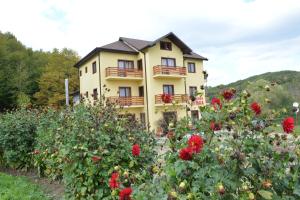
x=17, y=137
x=233, y=152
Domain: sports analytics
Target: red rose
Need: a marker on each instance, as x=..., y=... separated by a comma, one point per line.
x=96, y=158
x=166, y=98
x=288, y=125
x=228, y=94
x=215, y=126
x=125, y=194
x=136, y=150
x=113, y=182
x=216, y=103
x=196, y=143
x=256, y=108
x=186, y=153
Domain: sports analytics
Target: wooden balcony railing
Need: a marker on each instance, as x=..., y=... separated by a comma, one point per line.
x=165, y=70
x=117, y=72
x=177, y=98
x=127, y=101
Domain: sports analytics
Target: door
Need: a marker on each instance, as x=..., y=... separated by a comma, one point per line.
x=125, y=96
x=169, y=117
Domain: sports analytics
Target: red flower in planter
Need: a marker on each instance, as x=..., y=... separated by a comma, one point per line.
x=125, y=194
x=288, y=124
x=228, y=94
x=196, y=143
x=113, y=182
x=215, y=126
x=136, y=150
x=96, y=158
x=216, y=103
x=256, y=108
x=186, y=153
x=166, y=98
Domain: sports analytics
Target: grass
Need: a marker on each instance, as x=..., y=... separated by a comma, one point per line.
x=16, y=188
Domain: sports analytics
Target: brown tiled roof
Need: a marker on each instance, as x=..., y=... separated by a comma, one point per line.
x=138, y=44
x=195, y=56
x=118, y=46
x=132, y=46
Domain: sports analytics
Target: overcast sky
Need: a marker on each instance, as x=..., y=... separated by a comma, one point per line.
x=240, y=37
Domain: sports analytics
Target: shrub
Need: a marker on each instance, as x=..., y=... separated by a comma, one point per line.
x=242, y=157
x=17, y=137
x=48, y=141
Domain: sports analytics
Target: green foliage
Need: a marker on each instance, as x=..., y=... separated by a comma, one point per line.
x=24, y=71
x=67, y=141
x=52, y=81
x=16, y=188
x=243, y=160
x=17, y=137
x=287, y=84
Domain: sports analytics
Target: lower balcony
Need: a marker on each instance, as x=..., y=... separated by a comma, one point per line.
x=115, y=73
x=161, y=71
x=133, y=101
x=176, y=99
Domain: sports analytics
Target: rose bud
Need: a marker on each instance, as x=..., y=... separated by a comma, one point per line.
x=267, y=100
x=117, y=168
x=221, y=189
x=172, y=195
x=266, y=184
x=126, y=174
x=267, y=88
x=182, y=186
x=251, y=196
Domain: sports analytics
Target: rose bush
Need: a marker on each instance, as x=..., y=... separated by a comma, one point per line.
x=241, y=157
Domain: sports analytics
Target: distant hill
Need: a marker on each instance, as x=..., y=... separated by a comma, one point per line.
x=287, y=86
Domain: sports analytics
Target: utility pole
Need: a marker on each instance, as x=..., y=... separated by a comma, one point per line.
x=67, y=91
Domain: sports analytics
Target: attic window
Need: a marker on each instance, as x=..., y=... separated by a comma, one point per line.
x=166, y=45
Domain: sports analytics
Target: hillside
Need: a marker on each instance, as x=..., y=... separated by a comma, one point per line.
x=286, y=88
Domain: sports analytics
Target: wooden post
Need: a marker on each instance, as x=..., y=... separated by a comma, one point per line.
x=67, y=91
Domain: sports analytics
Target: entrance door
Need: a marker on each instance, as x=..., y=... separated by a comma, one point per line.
x=169, y=117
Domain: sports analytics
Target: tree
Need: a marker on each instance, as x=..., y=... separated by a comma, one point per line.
x=51, y=83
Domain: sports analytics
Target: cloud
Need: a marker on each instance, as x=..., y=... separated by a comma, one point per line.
x=240, y=37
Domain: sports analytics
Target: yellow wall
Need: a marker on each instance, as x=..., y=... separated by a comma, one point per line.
x=155, y=85
x=89, y=81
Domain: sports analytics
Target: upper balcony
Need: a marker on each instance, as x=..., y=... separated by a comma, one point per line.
x=176, y=99
x=128, y=102
x=161, y=71
x=115, y=73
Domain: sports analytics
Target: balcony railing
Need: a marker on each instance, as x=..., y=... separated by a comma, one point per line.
x=117, y=72
x=177, y=98
x=165, y=70
x=127, y=101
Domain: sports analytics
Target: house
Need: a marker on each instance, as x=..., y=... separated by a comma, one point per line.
x=139, y=72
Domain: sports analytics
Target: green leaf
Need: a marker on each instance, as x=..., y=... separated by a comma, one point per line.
x=265, y=194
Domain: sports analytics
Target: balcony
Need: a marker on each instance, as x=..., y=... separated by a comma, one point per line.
x=132, y=102
x=115, y=73
x=161, y=71
x=177, y=99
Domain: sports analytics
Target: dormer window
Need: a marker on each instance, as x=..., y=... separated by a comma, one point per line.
x=166, y=45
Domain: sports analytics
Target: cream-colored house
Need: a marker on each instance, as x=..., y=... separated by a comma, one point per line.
x=138, y=72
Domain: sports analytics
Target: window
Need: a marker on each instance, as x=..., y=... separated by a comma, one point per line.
x=87, y=94
x=143, y=118
x=85, y=69
x=193, y=90
x=140, y=64
x=95, y=94
x=168, y=89
x=80, y=73
x=124, y=91
x=191, y=68
x=125, y=64
x=141, y=91
x=94, y=67
x=169, y=62
x=166, y=45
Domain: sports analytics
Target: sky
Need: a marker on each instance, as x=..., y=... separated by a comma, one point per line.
x=240, y=38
